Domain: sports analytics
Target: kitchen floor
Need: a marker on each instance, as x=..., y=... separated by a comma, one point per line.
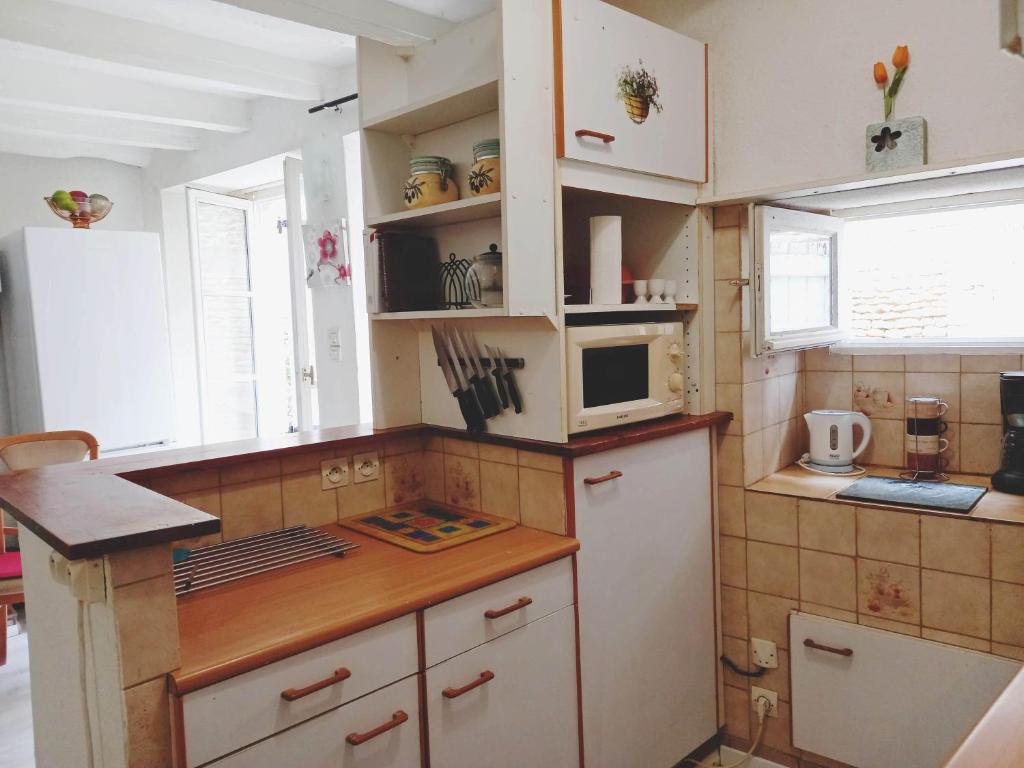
x=16, y=749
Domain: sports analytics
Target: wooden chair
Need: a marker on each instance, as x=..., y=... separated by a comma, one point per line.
x=29, y=451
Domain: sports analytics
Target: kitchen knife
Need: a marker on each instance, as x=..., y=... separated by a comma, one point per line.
x=493, y=402
x=465, y=397
x=499, y=384
x=475, y=379
x=510, y=383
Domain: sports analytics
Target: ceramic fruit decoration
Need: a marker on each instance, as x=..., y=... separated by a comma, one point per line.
x=78, y=207
x=894, y=143
x=485, y=175
x=638, y=90
x=431, y=182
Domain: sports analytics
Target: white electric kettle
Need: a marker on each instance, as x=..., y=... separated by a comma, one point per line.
x=832, y=439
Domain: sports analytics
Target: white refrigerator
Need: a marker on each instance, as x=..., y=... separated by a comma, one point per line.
x=85, y=338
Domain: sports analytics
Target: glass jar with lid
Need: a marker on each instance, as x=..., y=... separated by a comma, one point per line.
x=485, y=175
x=431, y=181
x=486, y=270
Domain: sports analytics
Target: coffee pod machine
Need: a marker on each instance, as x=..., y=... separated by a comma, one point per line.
x=1010, y=477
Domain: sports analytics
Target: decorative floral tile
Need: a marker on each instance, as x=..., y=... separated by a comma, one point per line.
x=404, y=478
x=889, y=591
x=462, y=482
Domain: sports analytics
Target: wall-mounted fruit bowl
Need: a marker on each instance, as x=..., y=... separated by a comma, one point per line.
x=79, y=208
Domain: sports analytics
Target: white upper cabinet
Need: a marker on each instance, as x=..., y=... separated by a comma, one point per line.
x=666, y=136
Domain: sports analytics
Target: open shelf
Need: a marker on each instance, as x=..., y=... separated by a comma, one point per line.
x=586, y=309
x=455, y=212
x=440, y=314
x=451, y=106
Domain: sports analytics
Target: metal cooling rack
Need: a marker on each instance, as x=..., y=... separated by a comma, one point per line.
x=237, y=559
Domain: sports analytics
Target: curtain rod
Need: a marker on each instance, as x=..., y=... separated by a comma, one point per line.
x=336, y=103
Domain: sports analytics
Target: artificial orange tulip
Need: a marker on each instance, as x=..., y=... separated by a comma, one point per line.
x=881, y=76
x=901, y=57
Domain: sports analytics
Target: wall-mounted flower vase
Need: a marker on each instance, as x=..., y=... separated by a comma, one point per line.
x=896, y=144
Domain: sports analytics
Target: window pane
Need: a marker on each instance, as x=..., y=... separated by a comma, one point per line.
x=230, y=411
x=228, y=333
x=799, y=286
x=953, y=274
x=223, y=255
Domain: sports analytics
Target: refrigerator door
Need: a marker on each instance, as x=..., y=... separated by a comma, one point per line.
x=100, y=327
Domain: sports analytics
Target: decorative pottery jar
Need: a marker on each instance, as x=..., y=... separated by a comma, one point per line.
x=485, y=175
x=896, y=144
x=431, y=182
x=487, y=270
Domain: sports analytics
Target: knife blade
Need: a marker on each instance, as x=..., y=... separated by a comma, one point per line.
x=499, y=383
x=470, y=415
x=510, y=383
x=476, y=421
x=493, y=402
x=475, y=379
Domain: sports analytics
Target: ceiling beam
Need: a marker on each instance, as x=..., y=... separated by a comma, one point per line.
x=99, y=130
x=131, y=48
x=39, y=146
x=378, y=20
x=60, y=89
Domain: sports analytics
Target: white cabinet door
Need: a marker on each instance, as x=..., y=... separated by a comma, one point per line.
x=521, y=710
x=645, y=577
x=323, y=742
x=599, y=42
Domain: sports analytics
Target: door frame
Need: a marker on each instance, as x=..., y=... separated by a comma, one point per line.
x=304, y=388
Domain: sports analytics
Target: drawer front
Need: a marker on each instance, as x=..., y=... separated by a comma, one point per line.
x=239, y=711
x=323, y=742
x=484, y=614
x=508, y=703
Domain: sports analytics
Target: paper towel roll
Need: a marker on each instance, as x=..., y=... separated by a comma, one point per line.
x=606, y=260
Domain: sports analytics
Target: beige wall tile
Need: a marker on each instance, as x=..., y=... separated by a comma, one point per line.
x=960, y=546
x=790, y=396
x=434, y=443
x=879, y=394
x=769, y=617
x=729, y=397
x=828, y=389
x=989, y=363
x=209, y=502
x=828, y=612
x=146, y=616
x=433, y=475
x=731, y=514
x=1008, y=553
x=794, y=440
x=879, y=362
x=499, y=489
x=733, y=552
x=1009, y=651
x=775, y=679
x=252, y=507
x=770, y=401
x=736, y=649
x=138, y=564
x=888, y=535
x=542, y=500
x=773, y=569
x=250, y=470
x=889, y=591
x=728, y=366
x=827, y=527
x=828, y=579
x=771, y=449
x=361, y=498
x=734, y=612
x=303, y=501
x=821, y=359
x=753, y=458
x=890, y=626
x=727, y=216
x=727, y=253
x=404, y=479
x=886, y=446
x=980, y=448
x=462, y=481
x=730, y=460
x=952, y=453
x=944, y=385
x=737, y=712
x=777, y=731
x=148, y=724
x=933, y=363
x=979, y=398
x=955, y=603
x=1008, y=613
x=771, y=518
x=456, y=447
x=305, y=461
x=951, y=638
x=502, y=454
x=183, y=482
x=394, y=446
x=549, y=462
x=753, y=406
x=728, y=307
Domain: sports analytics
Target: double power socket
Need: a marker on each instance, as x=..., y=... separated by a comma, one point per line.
x=765, y=654
x=337, y=473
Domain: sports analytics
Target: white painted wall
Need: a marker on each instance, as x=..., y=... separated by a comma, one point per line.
x=792, y=88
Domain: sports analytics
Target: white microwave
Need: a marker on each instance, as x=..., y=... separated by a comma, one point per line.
x=618, y=374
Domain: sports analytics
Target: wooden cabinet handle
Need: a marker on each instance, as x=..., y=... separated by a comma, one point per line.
x=454, y=693
x=522, y=602
x=355, y=739
x=607, y=138
x=809, y=643
x=603, y=478
x=292, y=694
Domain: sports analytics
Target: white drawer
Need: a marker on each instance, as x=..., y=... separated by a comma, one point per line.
x=462, y=623
x=241, y=710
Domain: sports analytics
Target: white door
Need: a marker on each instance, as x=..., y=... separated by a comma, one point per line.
x=602, y=44
x=646, y=602
x=511, y=702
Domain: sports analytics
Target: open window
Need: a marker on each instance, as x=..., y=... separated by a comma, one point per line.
x=795, y=280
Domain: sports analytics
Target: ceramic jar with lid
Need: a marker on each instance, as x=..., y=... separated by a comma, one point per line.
x=485, y=175
x=486, y=269
x=431, y=181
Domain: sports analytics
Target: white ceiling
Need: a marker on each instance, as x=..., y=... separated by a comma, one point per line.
x=456, y=11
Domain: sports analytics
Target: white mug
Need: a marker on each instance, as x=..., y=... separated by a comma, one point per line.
x=926, y=444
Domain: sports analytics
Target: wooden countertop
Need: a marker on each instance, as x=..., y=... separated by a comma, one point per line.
x=997, y=741
x=237, y=627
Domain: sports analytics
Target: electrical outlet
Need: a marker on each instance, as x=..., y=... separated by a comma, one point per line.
x=334, y=473
x=772, y=696
x=366, y=466
x=764, y=653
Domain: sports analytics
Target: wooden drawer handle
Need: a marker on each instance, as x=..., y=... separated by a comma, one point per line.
x=603, y=478
x=292, y=694
x=607, y=138
x=454, y=693
x=809, y=643
x=522, y=602
x=355, y=739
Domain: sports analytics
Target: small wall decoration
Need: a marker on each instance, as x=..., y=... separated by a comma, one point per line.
x=638, y=90
x=326, y=249
x=895, y=143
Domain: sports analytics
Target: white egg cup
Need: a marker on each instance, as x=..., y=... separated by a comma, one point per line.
x=640, y=289
x=657, y=286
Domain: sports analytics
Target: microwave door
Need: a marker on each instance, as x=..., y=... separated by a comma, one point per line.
x=615, y=375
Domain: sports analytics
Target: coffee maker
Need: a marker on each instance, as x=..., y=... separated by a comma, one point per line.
x=1010, y=477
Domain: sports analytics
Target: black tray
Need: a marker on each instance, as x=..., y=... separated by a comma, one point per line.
x=946, y=497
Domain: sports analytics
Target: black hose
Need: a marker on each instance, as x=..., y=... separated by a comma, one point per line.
x=735, y=668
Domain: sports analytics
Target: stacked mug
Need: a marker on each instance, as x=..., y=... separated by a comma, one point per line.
x=924, y=441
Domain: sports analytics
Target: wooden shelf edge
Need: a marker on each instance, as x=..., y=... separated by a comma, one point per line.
x=446, y=108
x=455, y=212
x=593, y=309
x=439, y=314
